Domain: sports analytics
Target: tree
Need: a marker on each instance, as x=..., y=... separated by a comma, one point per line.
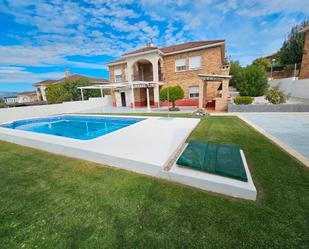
x=68, y=91
x=72, y=85
x=235, y=72
x=56, y=93
x=292, y=48
x=252, y=81
x=172, y=94
x=262, y=62
x=2, y=103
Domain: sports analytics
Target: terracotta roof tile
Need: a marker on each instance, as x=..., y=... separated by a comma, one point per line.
x=188, y=45
x=170, y=49
x=44, y=82
x=27, y=93
x=72, y=77
x=145, y=49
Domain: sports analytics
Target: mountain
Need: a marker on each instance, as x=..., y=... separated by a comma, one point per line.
x=7, y=94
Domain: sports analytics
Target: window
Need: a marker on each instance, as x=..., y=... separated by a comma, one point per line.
x=118, y=76
x=180, y=65
x=193, y=92
x=195, y=62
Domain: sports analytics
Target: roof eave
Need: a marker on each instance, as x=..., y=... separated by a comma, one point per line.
x=115, y=63
x=195, y=48
x=140, y=53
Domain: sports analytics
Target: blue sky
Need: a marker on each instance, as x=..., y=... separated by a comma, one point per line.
x=39, y=39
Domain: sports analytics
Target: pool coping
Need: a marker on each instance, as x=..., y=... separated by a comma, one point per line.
x=84, y=149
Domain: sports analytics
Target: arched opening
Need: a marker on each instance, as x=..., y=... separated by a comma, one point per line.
x=142, y=70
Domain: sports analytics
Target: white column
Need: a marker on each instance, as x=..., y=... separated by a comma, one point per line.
x=201, y=94
x=155, y=71
x=132, y=98
x=156, y=91
x=101, y=89
x=81, y=91
x=148, y=100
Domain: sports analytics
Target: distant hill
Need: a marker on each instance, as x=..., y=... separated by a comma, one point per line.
x=7, y=94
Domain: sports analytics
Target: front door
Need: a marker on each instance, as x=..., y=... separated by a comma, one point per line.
x=123, y=99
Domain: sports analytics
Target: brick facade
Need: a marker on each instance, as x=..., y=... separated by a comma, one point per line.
x=304, y=70
x=212, y=59
x=112, y=69
x=211, y=63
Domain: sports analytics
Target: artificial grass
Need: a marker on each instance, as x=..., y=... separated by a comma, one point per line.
x=51, y=201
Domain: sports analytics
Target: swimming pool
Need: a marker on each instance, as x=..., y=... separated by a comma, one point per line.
x=77, y=127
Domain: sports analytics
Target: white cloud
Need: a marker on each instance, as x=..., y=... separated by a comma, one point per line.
x=60, y=29
x=19, y=74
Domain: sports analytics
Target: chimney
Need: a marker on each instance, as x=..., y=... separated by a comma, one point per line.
x=150, y=45
x=67, y=73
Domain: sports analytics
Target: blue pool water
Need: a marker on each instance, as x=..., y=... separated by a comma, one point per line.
x=78, y=127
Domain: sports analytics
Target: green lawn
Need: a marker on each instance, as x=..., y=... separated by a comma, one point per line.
x=50, y=201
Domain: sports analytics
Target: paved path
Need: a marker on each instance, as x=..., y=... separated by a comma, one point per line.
x=291, y=129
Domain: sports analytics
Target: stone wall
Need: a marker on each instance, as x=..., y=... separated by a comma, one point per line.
x=304, y=70
x=268, y=108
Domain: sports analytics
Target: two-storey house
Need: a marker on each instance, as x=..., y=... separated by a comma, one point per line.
x=198, y=67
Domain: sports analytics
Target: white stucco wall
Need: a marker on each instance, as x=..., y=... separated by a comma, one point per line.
x=8, y=114
x=295, y=88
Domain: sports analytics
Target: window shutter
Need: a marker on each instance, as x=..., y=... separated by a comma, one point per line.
x=180, y=63
x=195, y=62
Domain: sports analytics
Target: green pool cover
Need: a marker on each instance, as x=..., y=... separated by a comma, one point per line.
x=220, y=159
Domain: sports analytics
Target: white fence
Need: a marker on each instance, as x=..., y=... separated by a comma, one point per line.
x=8, y=114
x=295, y=88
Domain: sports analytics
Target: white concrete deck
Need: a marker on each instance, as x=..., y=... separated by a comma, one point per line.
x=145, y=147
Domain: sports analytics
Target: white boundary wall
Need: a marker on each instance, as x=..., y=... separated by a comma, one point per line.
x=296, y=88
x=15, y=113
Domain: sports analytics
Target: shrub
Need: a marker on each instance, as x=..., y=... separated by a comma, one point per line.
x=276, y=96
x=172, y=94
x=252, y=81
x=243, y=100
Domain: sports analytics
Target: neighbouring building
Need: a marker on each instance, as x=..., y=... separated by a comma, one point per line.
x=198, y=67
x=11, y=100
x=27, y=97
x=41, y=86
x=304, y=69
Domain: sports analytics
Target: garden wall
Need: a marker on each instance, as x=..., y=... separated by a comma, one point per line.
x=268, y=108
x=8, y=114
x=295, y=88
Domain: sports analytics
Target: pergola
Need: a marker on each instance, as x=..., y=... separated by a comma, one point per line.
x=124, y=85
x=208, y=78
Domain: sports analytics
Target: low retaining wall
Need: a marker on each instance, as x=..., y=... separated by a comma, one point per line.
x=8, y=114
x=294, y=88
x=268, y=108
